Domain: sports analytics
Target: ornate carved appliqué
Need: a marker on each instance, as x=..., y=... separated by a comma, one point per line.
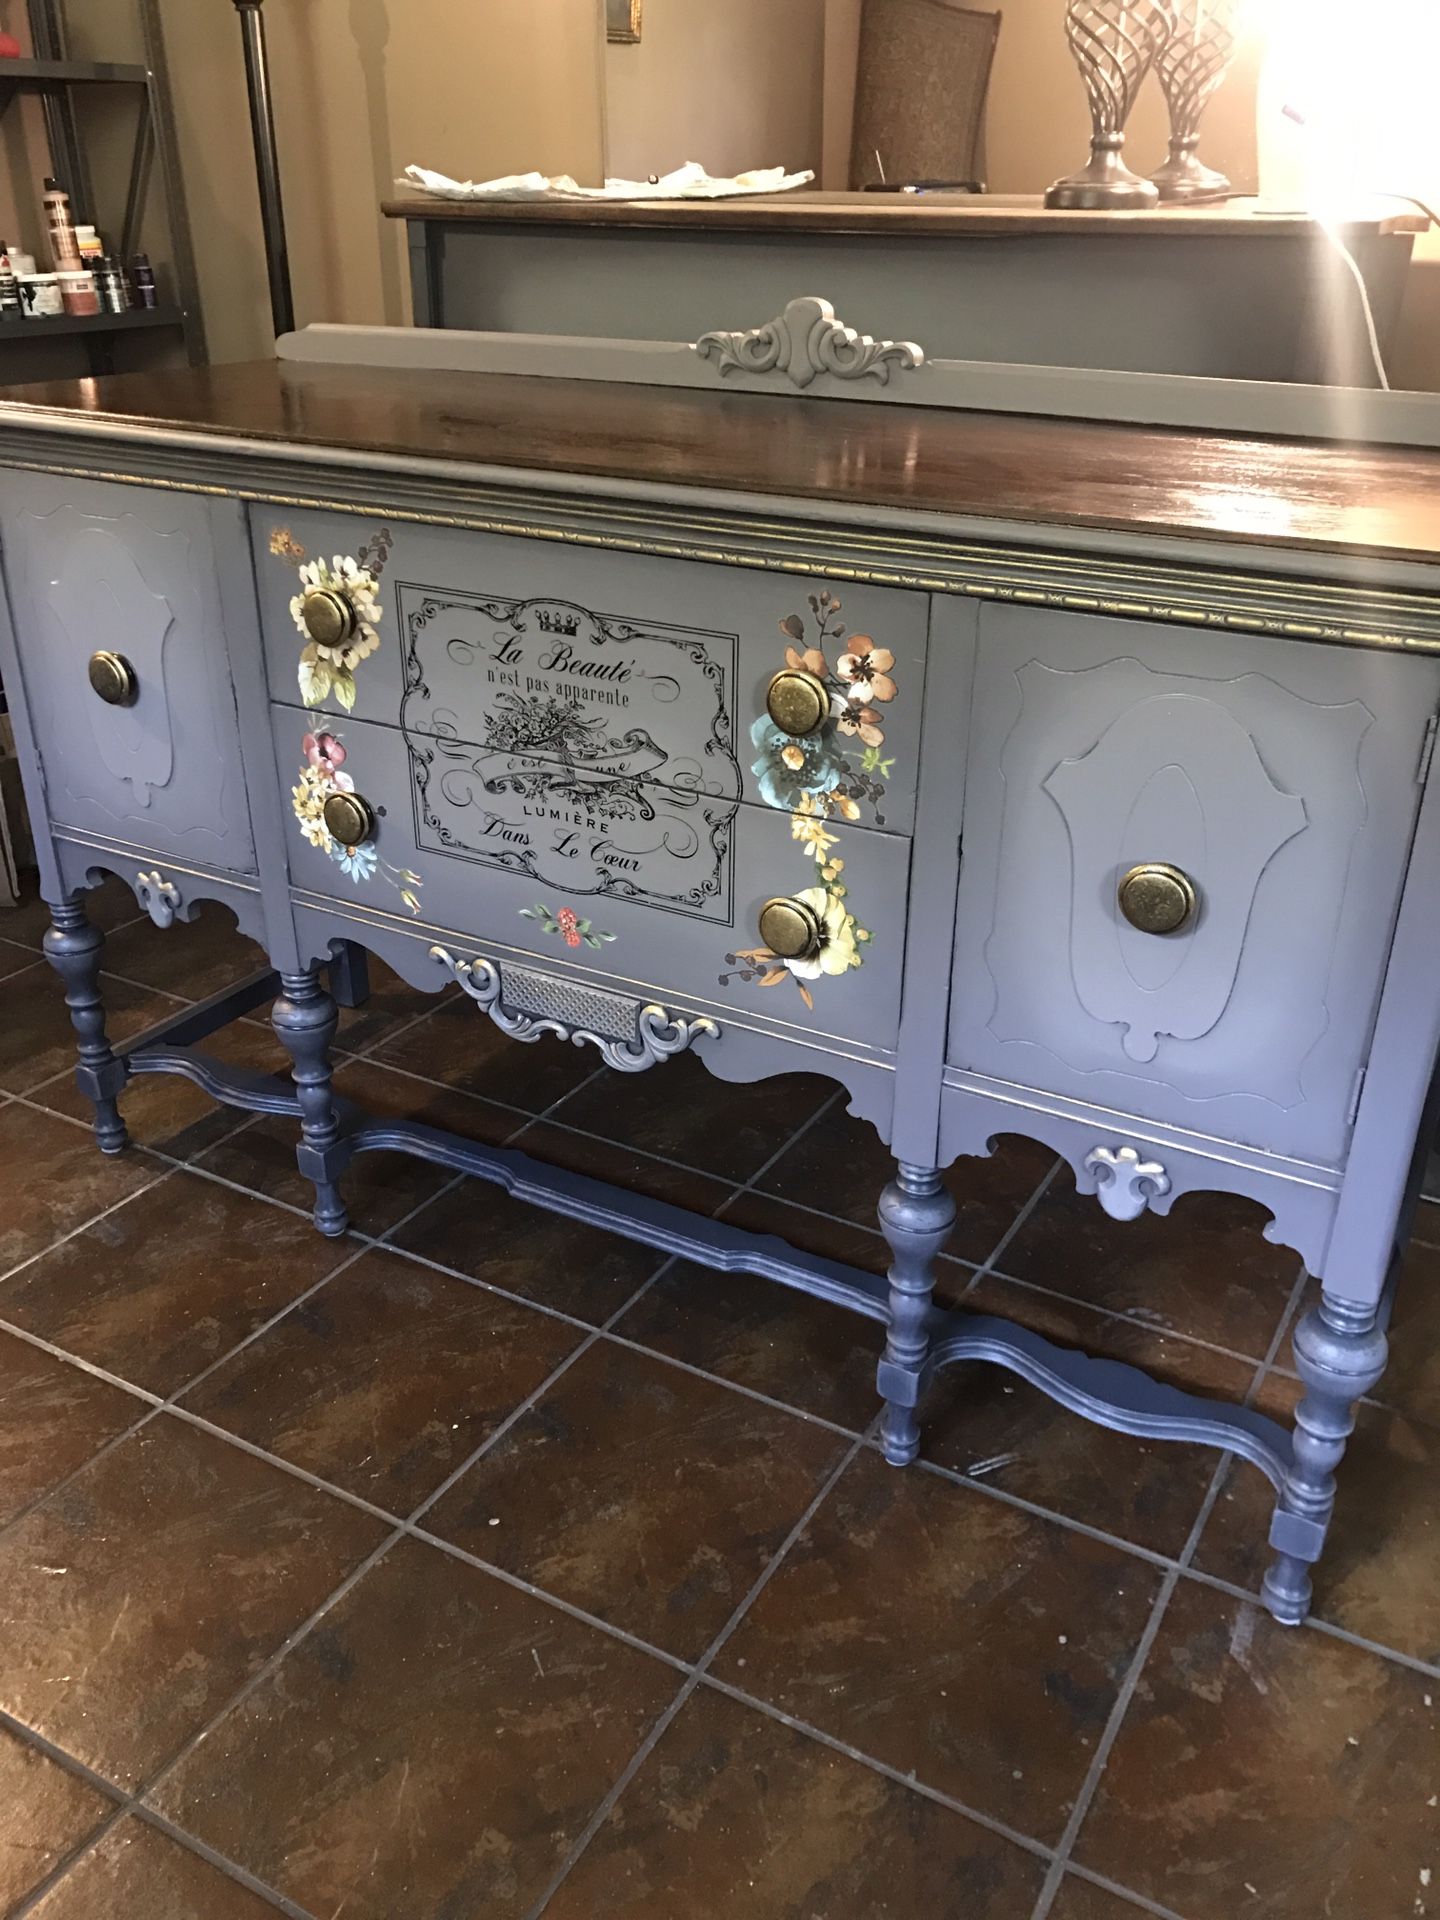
x=528, y=1005
x=160, y=898
x=806, y=340
x=1124, y=1183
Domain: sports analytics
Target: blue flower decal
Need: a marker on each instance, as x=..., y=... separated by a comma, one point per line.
x=788, y=769
x=359, y=862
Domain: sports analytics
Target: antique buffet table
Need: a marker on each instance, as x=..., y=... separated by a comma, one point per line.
x=1020, y=775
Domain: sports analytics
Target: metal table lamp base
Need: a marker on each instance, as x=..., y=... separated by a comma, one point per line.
x=1105, y=182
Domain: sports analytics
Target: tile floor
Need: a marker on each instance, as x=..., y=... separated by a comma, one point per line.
x=481, y=1565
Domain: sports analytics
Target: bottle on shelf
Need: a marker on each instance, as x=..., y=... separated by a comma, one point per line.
x=63, y=247
x=142, y=281
x=89, y=244
x=111, y=285
x=10, y=304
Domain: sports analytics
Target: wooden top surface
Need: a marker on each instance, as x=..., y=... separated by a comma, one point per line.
x=963, y=215
x=1308, y=495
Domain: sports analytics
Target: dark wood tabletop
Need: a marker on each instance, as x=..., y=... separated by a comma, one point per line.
x=1319, y=496
x=955, y=215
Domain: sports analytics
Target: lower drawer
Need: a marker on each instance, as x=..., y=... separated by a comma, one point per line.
x=652, y=890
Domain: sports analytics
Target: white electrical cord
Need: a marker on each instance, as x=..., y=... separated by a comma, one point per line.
x=1367, y=311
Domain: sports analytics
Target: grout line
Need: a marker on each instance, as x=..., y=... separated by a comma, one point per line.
x=232, y=1869
x=926, y=1792
x=92, y=1220
x=1042, y=1187
x=1090, y=1786
x=657, y=1732
x=1141, y=1902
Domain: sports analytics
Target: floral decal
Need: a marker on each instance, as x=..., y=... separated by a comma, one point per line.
x=824, y=776
x=327, y=670
x=566, y=922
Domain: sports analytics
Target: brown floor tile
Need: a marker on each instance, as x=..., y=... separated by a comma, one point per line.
x=460, y=1048
x=13, y=957
x=1148, y=1492
x=1426, y=1227
x=695, y=1118
x=54, y=1178
x=380, y=1187
x=649, y=1497
x=1380, y=1574
x=951, y=1636
x=434, y=1747
x=733, y=1814
x=192, y=959
x=47, y=1813
x=168, y=1113
x=145, y=1592
x=1079, y=1900
x=169, y=1282
x=52, y=1418
x=841, y=1166
x=36, y=1038
x=1205, y=1270
x=763, y=1336
x=109, y=905
x=478, y=1229
x=385, y=1380
x=622, y=1166
x=139, y=1873
x=1268, y=1772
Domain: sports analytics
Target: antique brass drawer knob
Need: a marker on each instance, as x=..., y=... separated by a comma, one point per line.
x=797, y=701
x=791, y=929
x=350, y=819
x=113, y=678
x=329, y=617
x=1156, y=898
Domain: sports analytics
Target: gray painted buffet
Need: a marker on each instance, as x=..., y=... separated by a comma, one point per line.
x=1021, y=777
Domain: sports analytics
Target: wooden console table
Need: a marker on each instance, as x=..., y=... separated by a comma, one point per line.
x=1022, y=777
x=1229, y=291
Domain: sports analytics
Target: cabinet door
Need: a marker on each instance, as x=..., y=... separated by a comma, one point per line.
x=128, y=571
x=1280, y=779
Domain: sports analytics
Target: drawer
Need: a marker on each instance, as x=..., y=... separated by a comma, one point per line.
x=621, y=664
x=127, y=571
x=1279, y=779
x=645, y=887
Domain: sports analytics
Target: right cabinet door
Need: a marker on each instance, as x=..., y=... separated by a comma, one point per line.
x=1183, y=854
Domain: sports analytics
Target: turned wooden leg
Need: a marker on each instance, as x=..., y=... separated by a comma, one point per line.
x=304, y=1018
x=1340, y=1353
x=917, y=1213
x=73, y=947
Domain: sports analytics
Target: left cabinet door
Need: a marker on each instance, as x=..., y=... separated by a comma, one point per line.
x=147, y=751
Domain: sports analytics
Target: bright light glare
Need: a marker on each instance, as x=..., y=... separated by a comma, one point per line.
x=1363, y=75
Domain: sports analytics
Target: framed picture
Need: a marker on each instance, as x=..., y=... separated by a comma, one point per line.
x=622, y=20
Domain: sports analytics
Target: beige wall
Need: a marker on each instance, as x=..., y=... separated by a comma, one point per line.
x=733, y=84
x=362, y=88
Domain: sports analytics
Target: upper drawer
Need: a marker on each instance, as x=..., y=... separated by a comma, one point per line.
x=614, y=664
x=127, y=571
x=1278, y=779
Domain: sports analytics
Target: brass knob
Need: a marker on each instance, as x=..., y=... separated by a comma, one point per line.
x=1157, y=898
x=350, y=819
x=791, y=929
x=797, y=701
x=329, y=617
x=113, y=678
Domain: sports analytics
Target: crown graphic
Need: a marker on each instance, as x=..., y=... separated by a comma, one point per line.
x=567, y=623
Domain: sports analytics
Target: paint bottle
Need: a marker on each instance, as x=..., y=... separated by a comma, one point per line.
x=22, y=262
x=110, y=285
x=41, y=293
x=78, y=292
x=63, y=249
x=10, y=307
x=142, y=281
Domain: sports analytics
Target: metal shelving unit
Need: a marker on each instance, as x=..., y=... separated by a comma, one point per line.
x=59, y=81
